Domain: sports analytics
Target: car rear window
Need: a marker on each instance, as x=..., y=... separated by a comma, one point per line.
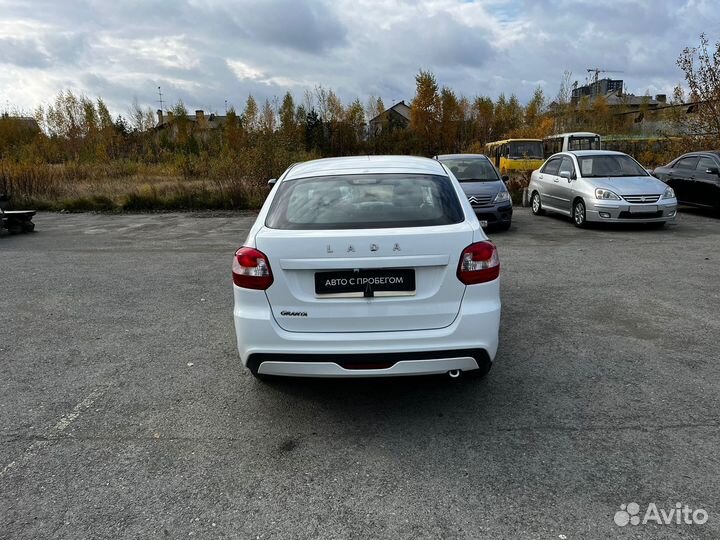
x=367, y=201
x=472, y=169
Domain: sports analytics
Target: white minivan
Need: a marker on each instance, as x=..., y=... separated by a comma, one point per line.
x=367, y=266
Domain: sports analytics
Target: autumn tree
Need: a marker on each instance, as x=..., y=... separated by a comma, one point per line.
x=249, y=116
x=267, y=118
x=535, y=109
x=425, y=112
x=232, y=131
x=289, y=125
x=355, y=121
x=450, y=118
x=483, y=113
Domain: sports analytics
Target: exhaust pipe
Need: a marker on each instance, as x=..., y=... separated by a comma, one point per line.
x=454, y=373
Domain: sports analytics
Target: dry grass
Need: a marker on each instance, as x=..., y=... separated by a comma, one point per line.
x=120, y=186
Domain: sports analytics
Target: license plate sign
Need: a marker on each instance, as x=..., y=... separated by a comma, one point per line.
x=374, y=282
x=483, y=223
x=643, y=209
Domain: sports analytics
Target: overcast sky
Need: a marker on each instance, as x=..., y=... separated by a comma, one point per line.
x=208, y=51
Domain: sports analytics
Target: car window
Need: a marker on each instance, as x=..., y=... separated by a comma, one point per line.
x=687, y=163
x=705, y=163
x=476, y=169
x=566, y=165
x=367, y=201
x=552, y=166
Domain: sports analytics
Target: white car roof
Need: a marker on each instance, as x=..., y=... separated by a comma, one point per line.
x=580, y=153
x=366, y=164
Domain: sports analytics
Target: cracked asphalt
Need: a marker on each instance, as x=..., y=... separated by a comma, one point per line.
x=125, y=412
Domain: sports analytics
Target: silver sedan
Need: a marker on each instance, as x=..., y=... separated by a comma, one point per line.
x=600, y=186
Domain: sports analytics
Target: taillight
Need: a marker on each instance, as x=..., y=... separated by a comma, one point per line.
x=251, y=269
x=479, y=263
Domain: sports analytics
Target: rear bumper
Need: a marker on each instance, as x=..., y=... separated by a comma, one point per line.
x=373, y=365
x=266, y=348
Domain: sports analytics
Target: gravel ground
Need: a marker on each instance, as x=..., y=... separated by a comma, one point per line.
x=125, y=413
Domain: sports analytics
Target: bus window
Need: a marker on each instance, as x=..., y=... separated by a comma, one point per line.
x=584, y=143
x=552, y=146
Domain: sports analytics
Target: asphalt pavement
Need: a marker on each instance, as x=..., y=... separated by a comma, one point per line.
x=125, y=412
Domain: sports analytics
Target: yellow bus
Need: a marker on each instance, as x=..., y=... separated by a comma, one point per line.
x=515, y=155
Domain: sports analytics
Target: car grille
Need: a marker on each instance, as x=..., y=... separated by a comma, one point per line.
x=480, y=200
x=641, y=198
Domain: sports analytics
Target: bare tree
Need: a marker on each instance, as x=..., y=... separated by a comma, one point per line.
x=701, y=66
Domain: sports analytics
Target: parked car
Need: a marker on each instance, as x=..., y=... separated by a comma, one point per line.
x=484, y=188
x=366, y=266
x=695, y=177
x=600, y=186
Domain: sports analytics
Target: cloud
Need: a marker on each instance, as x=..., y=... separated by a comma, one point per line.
x=23, y=53
x=208, y=51
x=310, y=27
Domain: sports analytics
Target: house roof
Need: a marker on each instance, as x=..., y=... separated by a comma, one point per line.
x=27, y=121
x=400, y=108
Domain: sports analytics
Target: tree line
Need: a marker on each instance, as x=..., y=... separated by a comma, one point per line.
x=76, y=128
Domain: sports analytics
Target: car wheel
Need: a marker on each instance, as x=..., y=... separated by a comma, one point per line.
x=28, y=226
x=536, y=205
x=579, y=214
x=481, y=373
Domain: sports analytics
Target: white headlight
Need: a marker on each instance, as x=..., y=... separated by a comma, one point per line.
x=502, y=196
x=669, y=193
x=606, y=194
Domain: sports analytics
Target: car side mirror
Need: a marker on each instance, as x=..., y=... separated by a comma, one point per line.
x=713, y=170
x=567, y=175
x=505, y=178
x=272, y=181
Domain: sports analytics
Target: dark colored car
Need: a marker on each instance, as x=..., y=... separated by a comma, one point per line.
x=483, y=186
x=695, y=177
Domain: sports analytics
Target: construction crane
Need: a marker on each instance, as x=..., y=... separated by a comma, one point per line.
x=598, y=71
x=596, y=77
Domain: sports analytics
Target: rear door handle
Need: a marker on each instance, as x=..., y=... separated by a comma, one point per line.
x=556, y=180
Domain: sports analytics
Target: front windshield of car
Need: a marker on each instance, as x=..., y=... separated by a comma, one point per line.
x=608, y=165
x=472, y=169
x=526, y=150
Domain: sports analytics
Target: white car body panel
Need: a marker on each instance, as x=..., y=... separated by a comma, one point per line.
x=433, y=252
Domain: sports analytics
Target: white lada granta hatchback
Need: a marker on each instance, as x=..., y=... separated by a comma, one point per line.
x=368, y=266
